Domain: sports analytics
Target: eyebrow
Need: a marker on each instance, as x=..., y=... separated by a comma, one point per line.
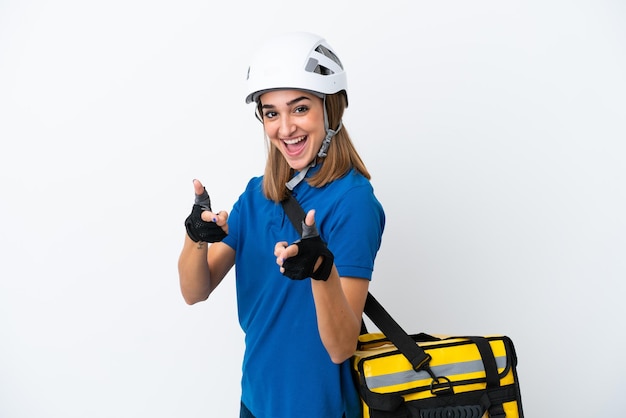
x=289, y=103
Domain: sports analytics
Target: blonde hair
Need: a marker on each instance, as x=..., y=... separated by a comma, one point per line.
x=342, y=157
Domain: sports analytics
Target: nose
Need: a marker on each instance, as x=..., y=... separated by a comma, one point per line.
x=286, y=127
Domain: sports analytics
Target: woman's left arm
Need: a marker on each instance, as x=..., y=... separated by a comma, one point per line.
x=339, y=306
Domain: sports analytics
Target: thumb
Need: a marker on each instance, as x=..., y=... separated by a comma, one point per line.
x=309, y=220
x=309, y=230
x=202, y=197
x=198, y=187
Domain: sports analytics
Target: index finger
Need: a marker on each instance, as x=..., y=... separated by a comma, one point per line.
x=220, y=218
x=286, y=252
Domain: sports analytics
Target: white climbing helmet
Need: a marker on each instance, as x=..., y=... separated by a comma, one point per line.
x=295, y=60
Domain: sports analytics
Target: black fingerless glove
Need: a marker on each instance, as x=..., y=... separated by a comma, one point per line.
x=198, y=229
x=310, y=248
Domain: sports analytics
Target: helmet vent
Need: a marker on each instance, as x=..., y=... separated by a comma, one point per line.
x=328, y=53
x=314, y=66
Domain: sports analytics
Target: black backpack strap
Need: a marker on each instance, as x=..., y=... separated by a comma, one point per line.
x=380, y=317
x=489, y=361
x=294, y=211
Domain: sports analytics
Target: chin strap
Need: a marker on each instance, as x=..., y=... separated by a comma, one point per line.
x=329, y=133
x=295, y=180
x=326, y=143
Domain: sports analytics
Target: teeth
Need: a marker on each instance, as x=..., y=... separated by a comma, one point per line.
x=293, y=141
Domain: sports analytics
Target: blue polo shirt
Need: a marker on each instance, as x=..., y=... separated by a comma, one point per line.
x=287, y=372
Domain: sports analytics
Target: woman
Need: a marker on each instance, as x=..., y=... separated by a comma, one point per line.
x=300, y=334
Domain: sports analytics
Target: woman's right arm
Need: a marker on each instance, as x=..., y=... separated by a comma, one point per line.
x=201, y=267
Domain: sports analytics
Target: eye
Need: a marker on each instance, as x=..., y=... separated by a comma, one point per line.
x=269, y=114
x=301, y=109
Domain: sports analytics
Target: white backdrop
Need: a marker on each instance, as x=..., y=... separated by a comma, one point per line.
x=494, y=132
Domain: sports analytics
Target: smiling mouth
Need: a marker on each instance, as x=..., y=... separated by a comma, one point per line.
x=294, y=141
x=293, y=146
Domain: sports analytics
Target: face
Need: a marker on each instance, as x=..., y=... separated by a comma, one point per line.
x=294, y=123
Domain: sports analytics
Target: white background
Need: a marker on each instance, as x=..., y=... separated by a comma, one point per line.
x=494, y=132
